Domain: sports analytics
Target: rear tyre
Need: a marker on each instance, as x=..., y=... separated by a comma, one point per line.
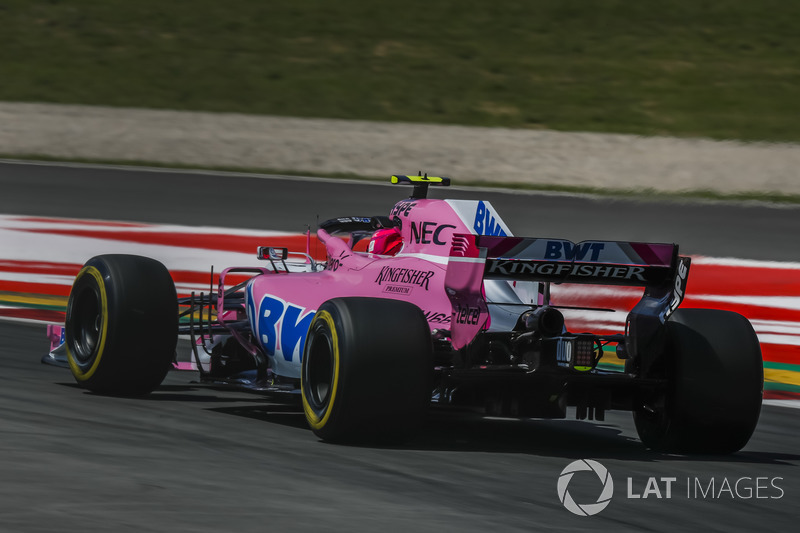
x=121, y=325
x=367, y=370
x=716, y=377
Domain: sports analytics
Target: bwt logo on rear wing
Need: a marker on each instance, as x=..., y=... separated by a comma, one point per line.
x=562, y=261
x=656, y=267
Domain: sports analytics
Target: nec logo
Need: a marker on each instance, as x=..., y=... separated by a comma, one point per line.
x=569, y=251
x=485, y=222
x=429, y=232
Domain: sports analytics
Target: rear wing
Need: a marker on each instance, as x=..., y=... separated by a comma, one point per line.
x=562, y=261
x=656, y=267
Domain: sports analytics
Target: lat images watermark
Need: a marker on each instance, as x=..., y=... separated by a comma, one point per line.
x=586, y=509
x=664, y=487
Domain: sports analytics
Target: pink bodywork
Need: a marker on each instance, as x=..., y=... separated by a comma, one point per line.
x=280, y=306
x=55, y=334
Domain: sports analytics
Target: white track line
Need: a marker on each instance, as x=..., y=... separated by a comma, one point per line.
x=792, y=404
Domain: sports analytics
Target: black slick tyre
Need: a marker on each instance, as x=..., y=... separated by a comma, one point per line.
x=712, y=403
x=367, y=370
x=121, y=325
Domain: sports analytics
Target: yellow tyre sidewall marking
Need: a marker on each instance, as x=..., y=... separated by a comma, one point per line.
x=79, y=374
x=315, y=421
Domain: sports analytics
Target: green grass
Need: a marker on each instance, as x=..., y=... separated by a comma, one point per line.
x=722, y=69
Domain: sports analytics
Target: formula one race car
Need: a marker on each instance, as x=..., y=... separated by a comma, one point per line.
x=443, y=306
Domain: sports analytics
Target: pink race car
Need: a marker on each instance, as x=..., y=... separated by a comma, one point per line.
x=444, y=306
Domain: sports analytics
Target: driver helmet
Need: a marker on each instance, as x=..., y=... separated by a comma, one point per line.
x=385, y=242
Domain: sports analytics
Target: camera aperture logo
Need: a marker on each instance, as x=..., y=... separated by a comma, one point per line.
x=585, y=509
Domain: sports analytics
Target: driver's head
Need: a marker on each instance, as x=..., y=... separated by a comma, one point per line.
x=385, y=242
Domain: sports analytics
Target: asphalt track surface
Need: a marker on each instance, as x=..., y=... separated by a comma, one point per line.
x=719, y=229
x=192, y=458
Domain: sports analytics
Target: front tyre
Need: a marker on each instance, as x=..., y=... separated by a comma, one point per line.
x=716, y=380
x=367, y=370
x=121, y=325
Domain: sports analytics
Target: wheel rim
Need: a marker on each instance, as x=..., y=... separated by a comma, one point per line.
x=318, y=377
x=86, y=323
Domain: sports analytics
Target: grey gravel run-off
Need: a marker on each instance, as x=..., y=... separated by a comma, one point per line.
x=325, y=146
